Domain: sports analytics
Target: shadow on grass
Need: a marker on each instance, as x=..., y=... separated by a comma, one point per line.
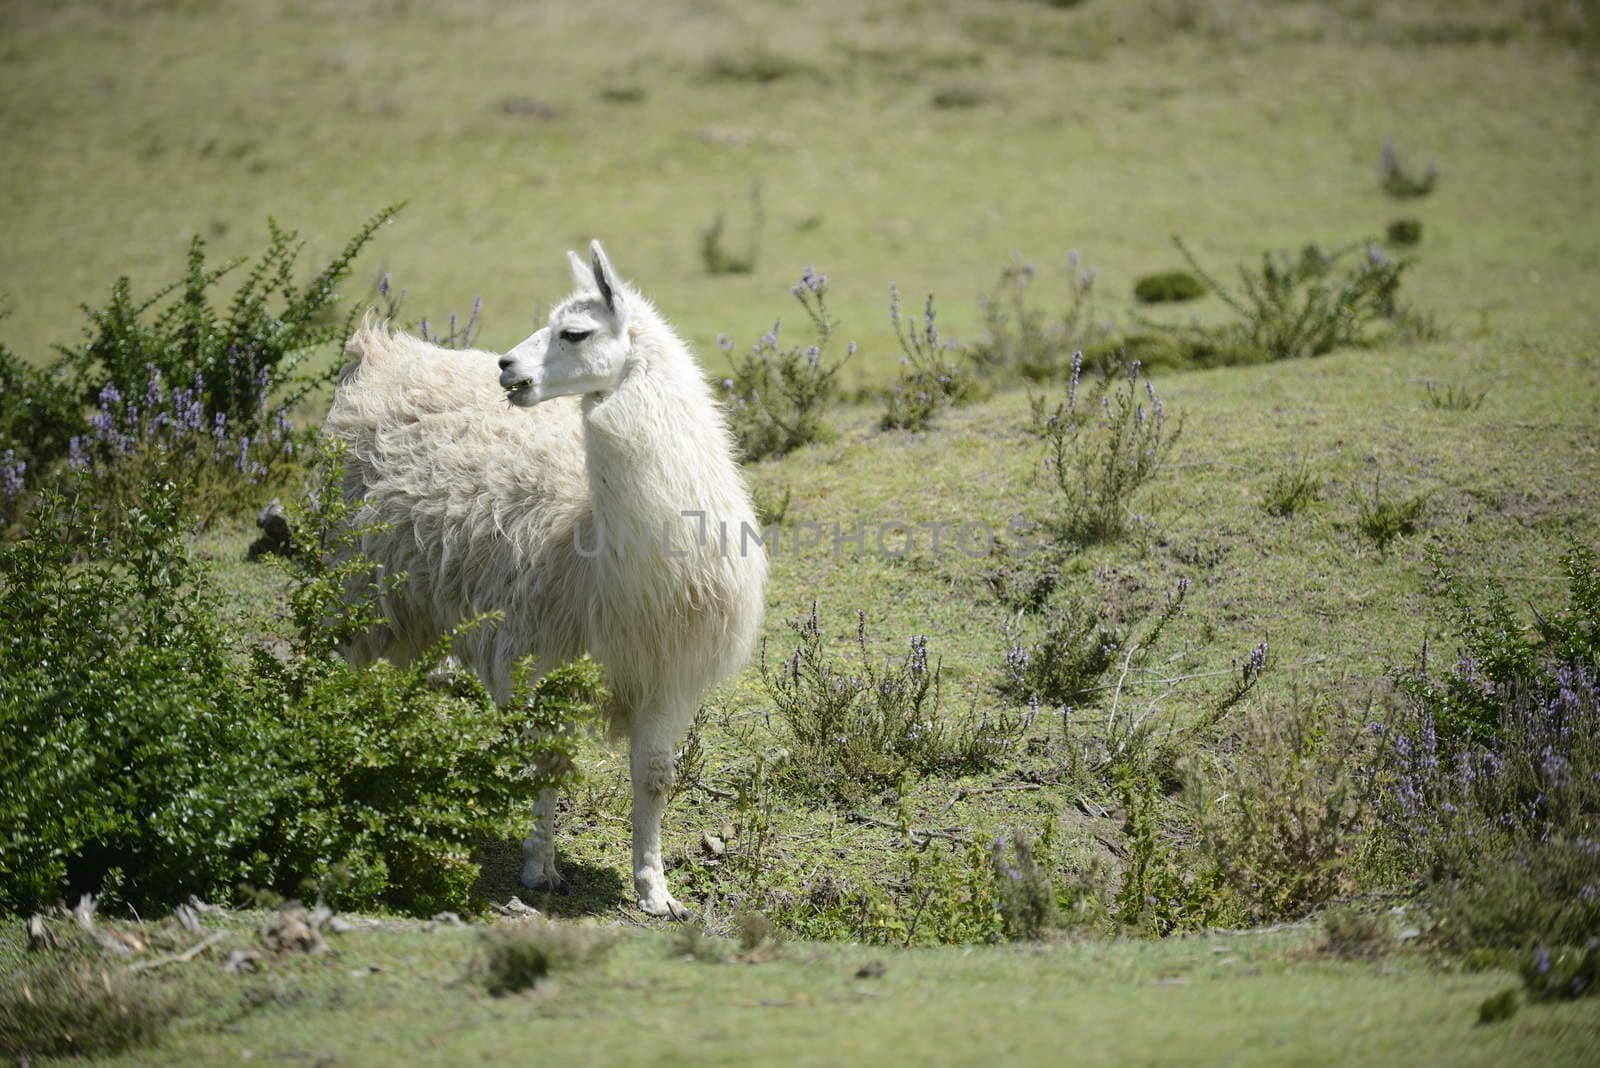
x=595, y=890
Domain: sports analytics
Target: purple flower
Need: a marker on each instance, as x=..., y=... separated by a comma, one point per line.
x=12, y=471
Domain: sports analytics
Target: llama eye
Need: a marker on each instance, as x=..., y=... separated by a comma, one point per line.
x=575, y=335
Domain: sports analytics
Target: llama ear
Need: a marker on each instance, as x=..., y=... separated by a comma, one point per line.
x=605, y=279
x=582, y=277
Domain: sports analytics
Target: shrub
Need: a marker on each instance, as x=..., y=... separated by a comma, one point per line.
x=934, y=373
x=963, y=95
x=1068, y=663
x=253, y=351
x=1566, y=974
x=758, y=66
x=150, y=753
x=1168, y=287
x=1399, y=182
x=928, y=895
x=1086, y=661
x=1162, y=890
x=1299, y=305
x=1100, y=451
x=1288, y=815
x=714, y=254
x=775, y=398
x=1291, y=490
x=1382, y=520
x=855, y=727
x=513, y=957
x=70, y=1005
x=170, y=374
x=1354, y=934
x=164, y=435
x=1404, y=232
x=1021, y=338
x=38, y=415
x=1454, y=397
x=1494, y=769
x=1025, y=898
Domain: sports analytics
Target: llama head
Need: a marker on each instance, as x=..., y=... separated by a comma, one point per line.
x=584, y=348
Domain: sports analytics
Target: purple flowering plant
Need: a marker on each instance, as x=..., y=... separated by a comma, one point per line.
x=775, y=395
x=934, y=372
x=1103, y=443
x=174, y=382
x=863, y=722
x=1022, y=337
x=1493, y=765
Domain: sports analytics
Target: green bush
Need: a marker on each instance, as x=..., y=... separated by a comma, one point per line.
x=1163, y=890
x=1404, y=232
x=853, y=727
x=38, y=411
x=1291, y=490
x=1288, y=817
x=1168, y=287
x=1026, y=900
x=150, y=753
x=170, y=378
x=515, y=957
x=1382, y=520
x=1297, y=305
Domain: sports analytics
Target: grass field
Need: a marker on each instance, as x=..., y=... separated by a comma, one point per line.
x=921, y=144
x=399, y=996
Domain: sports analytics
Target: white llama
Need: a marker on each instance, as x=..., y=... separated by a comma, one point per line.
x=599, y=511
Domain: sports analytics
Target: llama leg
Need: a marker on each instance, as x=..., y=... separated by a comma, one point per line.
x=653, y=771
x=539, y=848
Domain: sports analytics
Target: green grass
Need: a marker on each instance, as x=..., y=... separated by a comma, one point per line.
x=1107, y=128
x=130, y=126
x=400, y=996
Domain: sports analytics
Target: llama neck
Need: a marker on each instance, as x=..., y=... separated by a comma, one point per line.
x=656, y=448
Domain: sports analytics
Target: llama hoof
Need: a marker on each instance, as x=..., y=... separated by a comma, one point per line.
x=548, y=882
x=665, y=906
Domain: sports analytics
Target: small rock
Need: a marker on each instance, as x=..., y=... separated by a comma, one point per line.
x=40, y=936
x=515, y=906
x=119, y=941
x=726, y=831
x=447, y=919
x=274, y=524
x=83, y=912
x=293, y=930
x=242, y=962
x=712, y=844
x=873, y=969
